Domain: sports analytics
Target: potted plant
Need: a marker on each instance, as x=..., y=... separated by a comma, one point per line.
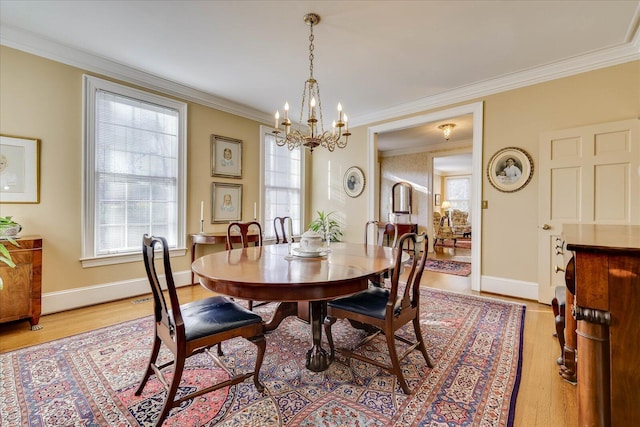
x=324, y=223
x=8, y=230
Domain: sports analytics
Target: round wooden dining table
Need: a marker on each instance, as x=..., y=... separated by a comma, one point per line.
x=270, y=273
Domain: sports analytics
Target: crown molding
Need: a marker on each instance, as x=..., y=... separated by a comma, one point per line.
x=31, y=43
x=36, y=45
x=603, y=58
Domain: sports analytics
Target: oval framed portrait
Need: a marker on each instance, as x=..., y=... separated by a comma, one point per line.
x=353, y=181
x=510, y=169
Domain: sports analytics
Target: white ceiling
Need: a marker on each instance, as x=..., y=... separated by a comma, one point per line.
x=380, y=59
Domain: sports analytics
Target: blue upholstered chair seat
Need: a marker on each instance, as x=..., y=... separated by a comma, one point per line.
x=371, y=302
x=213, y=315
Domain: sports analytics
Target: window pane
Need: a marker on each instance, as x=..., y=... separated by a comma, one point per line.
x=282, y=185
x=137, y=149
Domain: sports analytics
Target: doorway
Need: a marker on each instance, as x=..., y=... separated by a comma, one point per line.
x=476, y=110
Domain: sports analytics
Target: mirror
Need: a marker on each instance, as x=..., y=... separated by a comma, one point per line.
x=401, y=197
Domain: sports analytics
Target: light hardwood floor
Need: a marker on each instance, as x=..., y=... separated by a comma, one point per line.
x=544, y=399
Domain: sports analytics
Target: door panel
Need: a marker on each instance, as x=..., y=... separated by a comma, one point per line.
x=587, y=175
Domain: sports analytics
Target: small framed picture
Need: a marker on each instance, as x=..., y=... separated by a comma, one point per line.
x=226, y=157
x=510, y=169
x=436, y=199
x=226, y=202
x=19, y=170
x=353, y=182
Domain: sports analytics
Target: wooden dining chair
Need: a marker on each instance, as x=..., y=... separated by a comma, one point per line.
x=280, y=229
x=242, y=232
x=387, y=310
x=382, y=231
x=193, y=328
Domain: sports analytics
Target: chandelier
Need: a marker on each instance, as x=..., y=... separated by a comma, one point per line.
x=314, y=135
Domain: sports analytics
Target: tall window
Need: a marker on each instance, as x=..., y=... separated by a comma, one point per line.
x=458, y=192
x=134, y=171
x=281, y=183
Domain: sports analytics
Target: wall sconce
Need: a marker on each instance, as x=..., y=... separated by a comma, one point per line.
x=446, y=129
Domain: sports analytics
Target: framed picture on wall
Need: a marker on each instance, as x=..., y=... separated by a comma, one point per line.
x=436, y=199
x=353, y=181
x=226, y=202
x=19, y=170
x=226, y=157
x=510, y=169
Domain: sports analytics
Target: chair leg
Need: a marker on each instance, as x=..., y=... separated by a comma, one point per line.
x=173, y=388
x=328, y=322
x=152, y=360
x=395, y=363
x=251, y=305
x=421, y=346
x=261, y=343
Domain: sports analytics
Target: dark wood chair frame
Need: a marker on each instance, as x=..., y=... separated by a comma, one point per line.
x=279, y=227
x=400, y=308
x=244, y=228
x=382, y=230
x=171, y=330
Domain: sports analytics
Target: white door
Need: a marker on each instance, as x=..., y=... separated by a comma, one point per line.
x=588, y=175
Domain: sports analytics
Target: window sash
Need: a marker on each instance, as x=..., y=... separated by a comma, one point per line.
x=281, y=185
x=134, y=168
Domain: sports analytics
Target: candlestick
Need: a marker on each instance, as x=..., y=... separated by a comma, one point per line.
x=201, y=211
x=201, y=226
x=255, y=211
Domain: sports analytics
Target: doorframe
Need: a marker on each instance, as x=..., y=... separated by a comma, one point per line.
x=476, y=109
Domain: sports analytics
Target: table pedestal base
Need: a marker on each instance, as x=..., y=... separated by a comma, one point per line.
x=317, y=357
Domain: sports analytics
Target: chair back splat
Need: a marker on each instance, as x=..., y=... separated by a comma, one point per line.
x=387, y=310
x=193, y=328
x=280, y=227
x=242, y=232
x=381, y=231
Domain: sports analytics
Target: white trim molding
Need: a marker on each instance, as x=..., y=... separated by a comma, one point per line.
x=53, y=302
x=510, y=287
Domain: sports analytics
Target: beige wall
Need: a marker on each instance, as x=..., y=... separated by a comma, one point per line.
x=411, y=168
x=42, y=99
x=512, y=118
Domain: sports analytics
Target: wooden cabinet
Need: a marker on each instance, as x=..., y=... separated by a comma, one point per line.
x=606, y=308
x=21, y=294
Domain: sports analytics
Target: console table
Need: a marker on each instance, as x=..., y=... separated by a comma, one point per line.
x=606, y=308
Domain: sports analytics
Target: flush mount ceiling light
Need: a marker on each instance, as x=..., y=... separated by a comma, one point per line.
x=446, y=129
x=314, y=135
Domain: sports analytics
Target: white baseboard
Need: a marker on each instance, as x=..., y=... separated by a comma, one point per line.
x=53, y=302
x=510, y=287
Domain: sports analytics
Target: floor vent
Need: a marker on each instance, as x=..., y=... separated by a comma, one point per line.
x=141, y=300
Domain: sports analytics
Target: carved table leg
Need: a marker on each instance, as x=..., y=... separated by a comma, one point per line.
x=317, y=357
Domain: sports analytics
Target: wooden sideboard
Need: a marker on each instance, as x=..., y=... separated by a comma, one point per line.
x=21, y=294
x=606, y=308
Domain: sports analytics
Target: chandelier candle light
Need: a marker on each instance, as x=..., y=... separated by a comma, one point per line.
x=315, y=134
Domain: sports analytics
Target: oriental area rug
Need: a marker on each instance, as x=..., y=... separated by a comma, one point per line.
x=89, y=379
x=457, y=268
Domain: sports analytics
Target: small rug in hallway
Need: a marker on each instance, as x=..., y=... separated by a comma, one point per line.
x=458, y=268
x=475, y=344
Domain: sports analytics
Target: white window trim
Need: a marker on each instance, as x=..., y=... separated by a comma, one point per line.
x=90, y=86
x=303, y=194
